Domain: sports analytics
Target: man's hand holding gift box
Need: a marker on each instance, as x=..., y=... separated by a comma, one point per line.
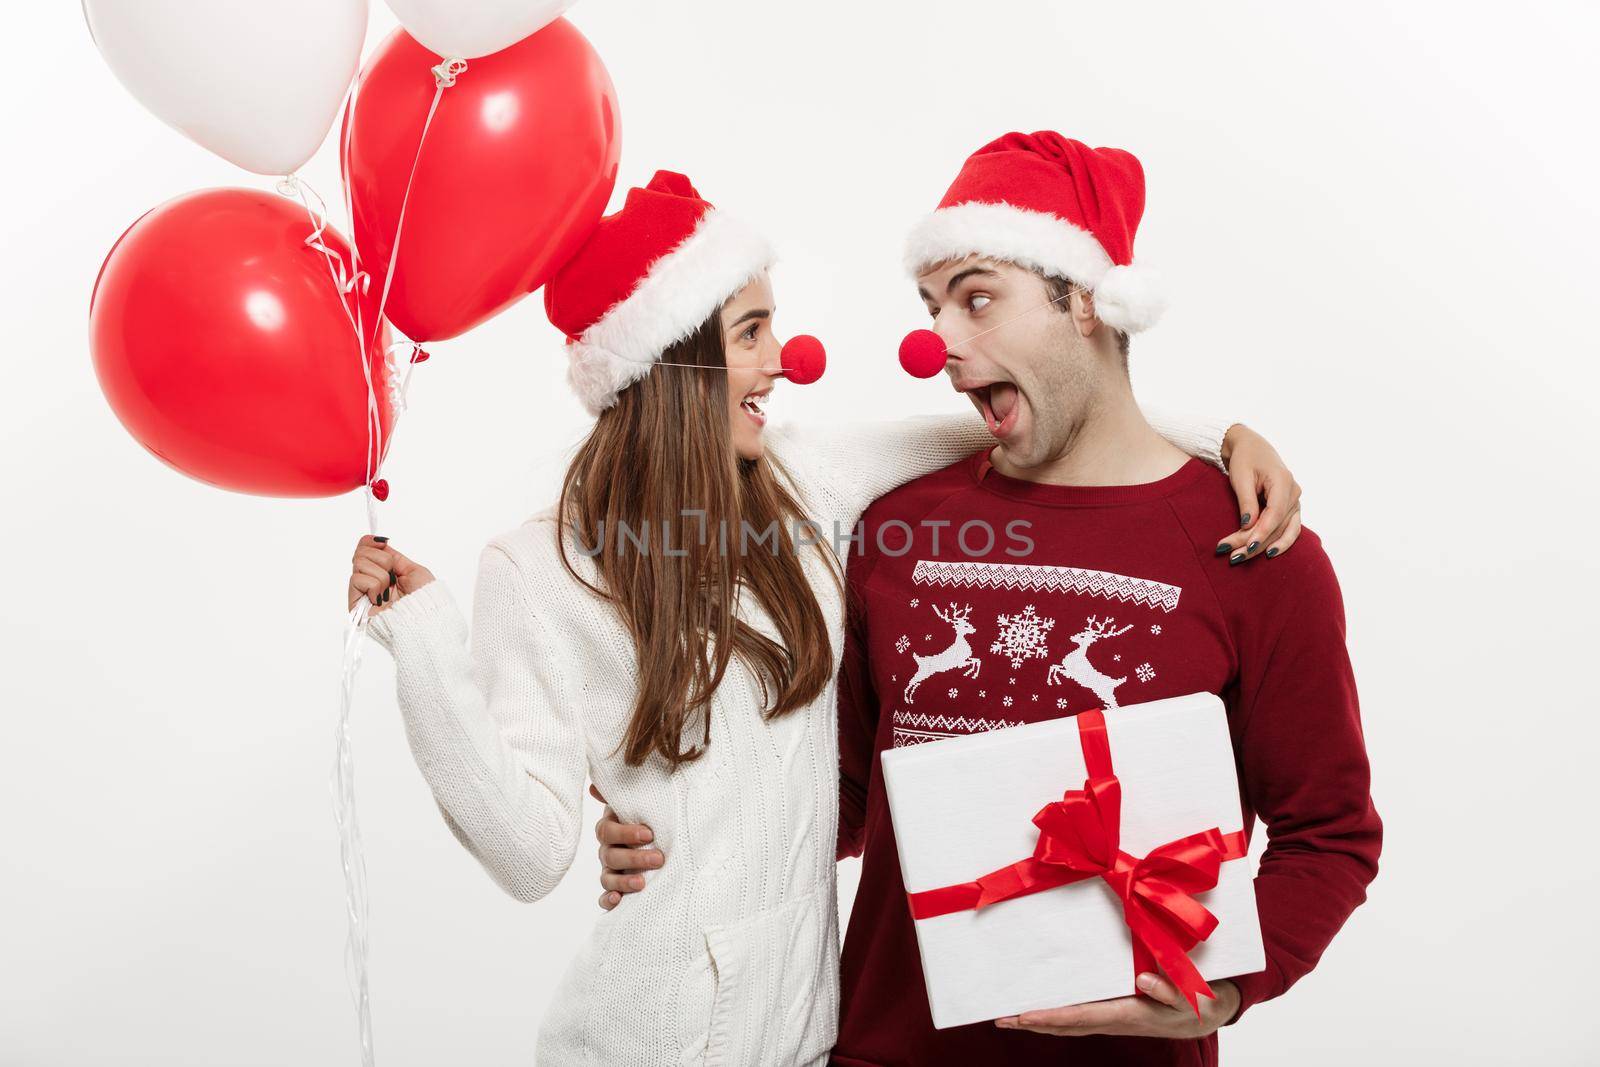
x=1163, y=1012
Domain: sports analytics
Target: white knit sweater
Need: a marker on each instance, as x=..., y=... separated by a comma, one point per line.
x=731, y=957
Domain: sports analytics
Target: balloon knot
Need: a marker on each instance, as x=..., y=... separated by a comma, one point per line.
x=444, y=75
x=380, y=489
x=418, y=354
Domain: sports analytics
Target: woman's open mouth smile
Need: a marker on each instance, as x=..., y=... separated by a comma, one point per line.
x=754, y=405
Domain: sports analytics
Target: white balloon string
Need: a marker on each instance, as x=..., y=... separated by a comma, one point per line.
x=397, y=390
x=352, y=856
x=444, y=76
x=348, y=277
x=361, y=338
x=353, y=282
x=350, y=282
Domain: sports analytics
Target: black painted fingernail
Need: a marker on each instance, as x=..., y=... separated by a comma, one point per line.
x=1222, y=549
x=1272, y=552
x=392, y=578
x=377, y=537
x=1253, y=546
x=386, y=595
x=1234, y=561
x=1244, y=520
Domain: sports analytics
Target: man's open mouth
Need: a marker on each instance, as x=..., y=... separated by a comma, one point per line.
x=998, y=402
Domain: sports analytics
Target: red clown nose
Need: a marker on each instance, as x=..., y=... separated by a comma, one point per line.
x=923, y=353
x=803, y=359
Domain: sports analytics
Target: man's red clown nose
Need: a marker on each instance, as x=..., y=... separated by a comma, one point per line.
x=923, y=353
x=803, y=359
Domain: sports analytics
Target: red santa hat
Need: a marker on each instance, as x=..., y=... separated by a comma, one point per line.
x=1051, y=204
x=648, y=277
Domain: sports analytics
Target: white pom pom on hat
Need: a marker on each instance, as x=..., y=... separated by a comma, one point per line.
x=1130, y=298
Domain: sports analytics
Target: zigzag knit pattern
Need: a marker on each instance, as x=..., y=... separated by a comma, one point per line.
x=1040, y=578
x=915, y=727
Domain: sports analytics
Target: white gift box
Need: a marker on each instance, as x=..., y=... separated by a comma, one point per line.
x=964, y=806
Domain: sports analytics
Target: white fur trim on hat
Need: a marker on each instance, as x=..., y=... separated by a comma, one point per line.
x=1126, y=298
x=679, y=292
x=1130, y=298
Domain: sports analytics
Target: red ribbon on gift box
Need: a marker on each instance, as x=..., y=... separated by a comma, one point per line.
x=1080, y=838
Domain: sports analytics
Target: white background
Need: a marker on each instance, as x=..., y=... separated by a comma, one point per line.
x=1379, y=223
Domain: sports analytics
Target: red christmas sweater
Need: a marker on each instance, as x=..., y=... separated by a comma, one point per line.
x=1091, y=597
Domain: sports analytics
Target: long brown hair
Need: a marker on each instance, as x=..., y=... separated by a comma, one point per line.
x=664, y=448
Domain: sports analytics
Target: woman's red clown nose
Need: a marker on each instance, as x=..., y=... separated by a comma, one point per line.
x=923, y=353
x=803, y=359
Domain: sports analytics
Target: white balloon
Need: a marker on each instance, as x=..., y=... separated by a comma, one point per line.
x=466, y=29
x=257, y=82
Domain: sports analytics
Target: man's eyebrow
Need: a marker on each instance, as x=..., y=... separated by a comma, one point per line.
x=754, y=313
x=926, y=297
x=961, y=276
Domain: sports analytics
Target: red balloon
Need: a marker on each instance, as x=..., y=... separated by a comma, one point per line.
x=224, y=346
x=803, y=359
x=519, y=163
x=923, y=353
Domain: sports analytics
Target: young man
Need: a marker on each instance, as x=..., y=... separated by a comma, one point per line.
x=1120, y=599
x=1068, y=568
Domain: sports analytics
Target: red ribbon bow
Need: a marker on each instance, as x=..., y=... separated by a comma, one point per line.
x=1080, y=838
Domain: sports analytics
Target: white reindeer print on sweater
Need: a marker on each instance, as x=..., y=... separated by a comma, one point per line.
x=1076, y=667
x=957, y=655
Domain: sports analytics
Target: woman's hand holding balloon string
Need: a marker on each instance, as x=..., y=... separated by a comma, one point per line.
x=379, y=572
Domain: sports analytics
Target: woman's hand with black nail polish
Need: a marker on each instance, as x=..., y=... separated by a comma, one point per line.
x=1268, y=498
x=382, y=574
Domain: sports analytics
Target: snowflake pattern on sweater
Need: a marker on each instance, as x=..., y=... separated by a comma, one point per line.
x=1026, y=638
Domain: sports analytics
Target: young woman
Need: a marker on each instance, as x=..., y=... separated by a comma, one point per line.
x=669, y=632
